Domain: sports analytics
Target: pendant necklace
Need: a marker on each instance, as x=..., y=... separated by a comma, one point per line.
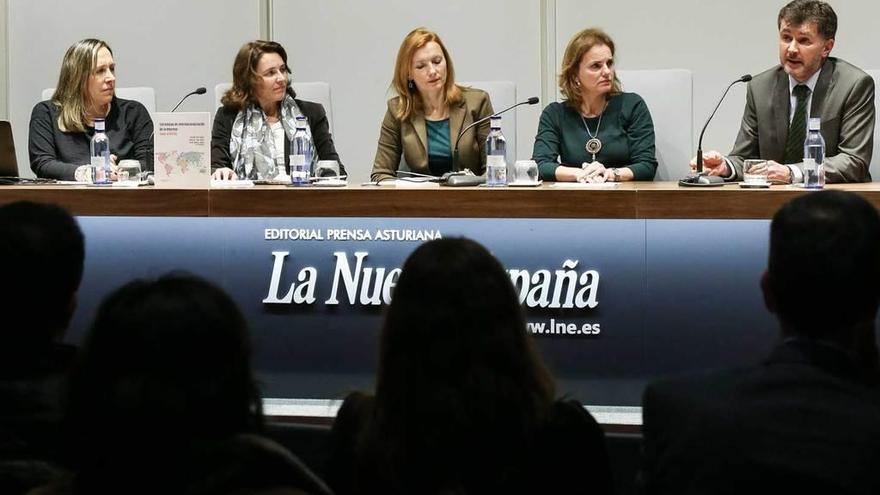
x=594, y=144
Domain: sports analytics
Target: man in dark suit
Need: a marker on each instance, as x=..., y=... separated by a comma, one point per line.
x=42, y=249
x=807, y=83
x=807, y=419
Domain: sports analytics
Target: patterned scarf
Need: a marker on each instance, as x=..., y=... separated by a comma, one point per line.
x=252, y=146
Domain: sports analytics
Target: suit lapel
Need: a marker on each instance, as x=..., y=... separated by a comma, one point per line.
x=781, y=109
x=457, y=114
x=418, y=122
x=824, y=86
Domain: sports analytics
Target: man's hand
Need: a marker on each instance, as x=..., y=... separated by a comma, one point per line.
x=779, y=174
x=713, y=164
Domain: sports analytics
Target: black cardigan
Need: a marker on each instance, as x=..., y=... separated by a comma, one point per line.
x=56, y=155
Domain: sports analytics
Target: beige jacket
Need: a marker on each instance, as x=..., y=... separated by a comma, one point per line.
x=410, y=137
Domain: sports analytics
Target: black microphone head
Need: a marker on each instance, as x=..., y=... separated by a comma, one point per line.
x=532, y=100
x=201, y=91
x=746, y=78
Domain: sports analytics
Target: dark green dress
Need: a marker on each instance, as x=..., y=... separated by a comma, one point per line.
x=626, y=132
x=439, y=147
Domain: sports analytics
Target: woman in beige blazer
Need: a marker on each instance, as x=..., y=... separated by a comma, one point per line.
x=423, y=122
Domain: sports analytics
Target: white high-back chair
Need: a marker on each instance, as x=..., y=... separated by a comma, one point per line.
x=874, y=168
x=143, y=94
x=317, y=92
x=502, y=94
x=669, y=95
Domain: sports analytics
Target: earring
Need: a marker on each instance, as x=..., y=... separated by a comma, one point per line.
x=411, y=85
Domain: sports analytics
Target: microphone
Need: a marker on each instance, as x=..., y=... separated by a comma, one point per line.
x=198, y=91
x=695, y=179
x=531, y=101
x=429, y=178
x=454, y=179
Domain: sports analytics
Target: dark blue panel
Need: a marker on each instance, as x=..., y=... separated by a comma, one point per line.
x=329, y=344
x=673, y=295
x=705, y=307
x=119, y=249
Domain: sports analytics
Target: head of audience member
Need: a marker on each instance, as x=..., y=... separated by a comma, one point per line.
x=166, y=362
x=423, y=72
x=43, y=251
x=260, y=76
x=588, y=68
x=86, y=84
x=456, y=367
x=806, y=36
x=823, y=274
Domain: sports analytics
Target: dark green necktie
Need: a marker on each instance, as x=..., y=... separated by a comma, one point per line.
x=797, y=130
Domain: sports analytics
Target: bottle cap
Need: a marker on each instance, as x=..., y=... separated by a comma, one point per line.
x=814, y=124
x=99, y=124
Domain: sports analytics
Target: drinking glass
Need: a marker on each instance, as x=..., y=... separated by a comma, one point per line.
x=128, y=172
x=755, y=171
x=327, y=168
x=525, y=171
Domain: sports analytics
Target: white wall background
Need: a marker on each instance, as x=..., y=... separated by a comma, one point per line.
x=353, y=45
x=176, y=46
x=170, y=45
x=717, y=40
x=4, y=74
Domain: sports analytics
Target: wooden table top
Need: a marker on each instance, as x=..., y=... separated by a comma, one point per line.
x=651, y=200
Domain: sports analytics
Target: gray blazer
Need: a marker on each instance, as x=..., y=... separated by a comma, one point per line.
x=843, y=98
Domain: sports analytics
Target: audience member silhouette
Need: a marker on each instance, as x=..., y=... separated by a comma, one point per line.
x=42, y=250
x=807, y=419
x=463, y=402
x=163, y=399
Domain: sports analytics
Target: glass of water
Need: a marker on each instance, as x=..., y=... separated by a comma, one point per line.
x=327, y=168
x=755, y=171
x=128, y=172
x=525, y=172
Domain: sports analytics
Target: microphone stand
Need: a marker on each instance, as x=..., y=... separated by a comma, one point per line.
x=198, y=91
x=699, y=178
x=530, y=101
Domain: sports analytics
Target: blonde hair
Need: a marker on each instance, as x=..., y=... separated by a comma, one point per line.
x=409, y=101
x=579, y=45
x=71, y=94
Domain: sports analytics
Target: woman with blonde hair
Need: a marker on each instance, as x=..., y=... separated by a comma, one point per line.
x=423, y=121
x=62, y=127
x=252, y=130
x=599, y=133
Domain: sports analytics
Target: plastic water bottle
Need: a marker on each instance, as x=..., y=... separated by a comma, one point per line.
x=100, y=153
x=814, y=155
x=496, y=161
x=300, y=153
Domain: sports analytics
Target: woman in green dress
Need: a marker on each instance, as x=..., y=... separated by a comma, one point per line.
x=598, y=133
